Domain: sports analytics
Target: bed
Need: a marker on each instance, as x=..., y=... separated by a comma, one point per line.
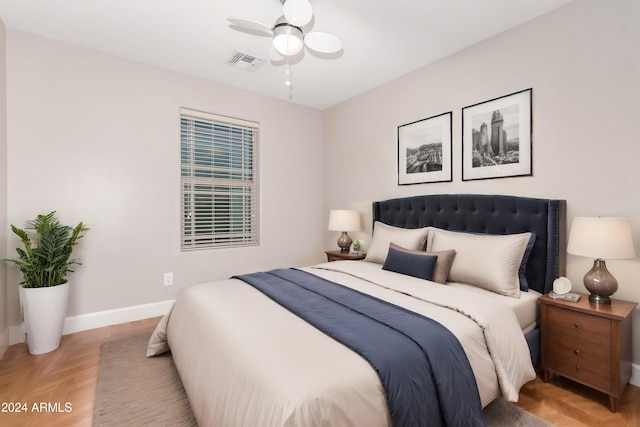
x=246, y=360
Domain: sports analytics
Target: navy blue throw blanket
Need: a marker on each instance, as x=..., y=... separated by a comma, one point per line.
x=425, y=373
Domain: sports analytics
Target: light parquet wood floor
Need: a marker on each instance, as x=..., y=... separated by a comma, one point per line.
x=69, y=375
x=66, y=375
x=566, y=403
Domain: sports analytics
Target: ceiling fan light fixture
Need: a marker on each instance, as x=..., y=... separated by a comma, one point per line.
x=287, y=39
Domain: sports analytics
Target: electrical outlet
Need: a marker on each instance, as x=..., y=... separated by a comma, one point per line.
x=168, y=279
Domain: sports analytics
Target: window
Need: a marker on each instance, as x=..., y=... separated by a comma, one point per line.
x=219, y=181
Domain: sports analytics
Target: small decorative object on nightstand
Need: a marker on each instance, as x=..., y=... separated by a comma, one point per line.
x=588, y=343
x=341, y=220
x=357, y=246
x=340, y=256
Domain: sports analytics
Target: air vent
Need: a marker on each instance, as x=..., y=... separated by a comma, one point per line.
x=244, y=61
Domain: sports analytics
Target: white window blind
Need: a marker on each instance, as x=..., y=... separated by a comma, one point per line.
x=219, y=180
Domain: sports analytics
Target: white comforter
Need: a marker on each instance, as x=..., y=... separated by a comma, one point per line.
x=246, y=361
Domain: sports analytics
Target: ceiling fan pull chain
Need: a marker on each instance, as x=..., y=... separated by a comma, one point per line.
x=288, y=81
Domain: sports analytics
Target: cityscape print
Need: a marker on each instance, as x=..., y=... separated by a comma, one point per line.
x=495, y=137
x=424, y=151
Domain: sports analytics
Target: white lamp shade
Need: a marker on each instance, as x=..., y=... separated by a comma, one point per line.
x=606, y=238
x=343, y=220
x=287, y=40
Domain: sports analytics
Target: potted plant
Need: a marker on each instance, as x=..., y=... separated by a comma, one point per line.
x=44, y=263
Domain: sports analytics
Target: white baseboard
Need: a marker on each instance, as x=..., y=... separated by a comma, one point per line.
x=116, y=316
x=16, y=334
x=100, y=319
x=635, y=375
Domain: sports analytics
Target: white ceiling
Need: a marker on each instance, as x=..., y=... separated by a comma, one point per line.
x=382, y=40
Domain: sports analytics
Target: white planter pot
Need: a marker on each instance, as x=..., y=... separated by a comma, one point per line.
x=44, y=311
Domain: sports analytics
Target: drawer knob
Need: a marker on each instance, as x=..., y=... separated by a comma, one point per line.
x=577, y=351
x=577, y=325
x=577, y=367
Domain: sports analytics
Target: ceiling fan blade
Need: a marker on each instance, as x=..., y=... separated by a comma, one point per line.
x=322, y=42
x=252, y=25
x=297, y=12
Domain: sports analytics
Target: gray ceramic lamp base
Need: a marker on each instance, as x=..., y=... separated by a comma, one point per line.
x=600, y=283
x=344, y=242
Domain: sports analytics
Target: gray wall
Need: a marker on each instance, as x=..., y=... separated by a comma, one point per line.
x=96, y=138
x=583, y=63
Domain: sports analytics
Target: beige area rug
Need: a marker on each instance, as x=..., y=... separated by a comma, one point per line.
x=134, y=390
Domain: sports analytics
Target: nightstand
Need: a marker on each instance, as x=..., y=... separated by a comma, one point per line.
x=339, y=256
x=588, y=343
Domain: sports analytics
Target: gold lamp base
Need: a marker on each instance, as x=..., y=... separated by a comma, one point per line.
x=600, y=283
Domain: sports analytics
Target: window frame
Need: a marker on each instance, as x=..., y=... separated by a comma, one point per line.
x=219, y=181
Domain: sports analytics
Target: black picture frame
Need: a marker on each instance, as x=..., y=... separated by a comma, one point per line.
x=497, y=137
x=424, y=150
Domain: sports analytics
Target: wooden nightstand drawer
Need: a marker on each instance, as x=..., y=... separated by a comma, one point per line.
x=585, y=362
x=596, y=330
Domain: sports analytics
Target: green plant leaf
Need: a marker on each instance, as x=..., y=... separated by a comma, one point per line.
x=46, y=257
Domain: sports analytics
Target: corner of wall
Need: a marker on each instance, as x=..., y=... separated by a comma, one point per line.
x=4, y=330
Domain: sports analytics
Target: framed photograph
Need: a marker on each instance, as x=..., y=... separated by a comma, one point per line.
x=496, y=137
x=424, y=150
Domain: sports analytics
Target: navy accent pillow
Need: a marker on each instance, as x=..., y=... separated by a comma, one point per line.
x=524, y=285
x=410, y=264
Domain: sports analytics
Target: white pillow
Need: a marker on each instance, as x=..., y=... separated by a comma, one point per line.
x=488, y=261
x=383, y=235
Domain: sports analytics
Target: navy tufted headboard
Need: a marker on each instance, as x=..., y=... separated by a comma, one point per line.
x=492, y=214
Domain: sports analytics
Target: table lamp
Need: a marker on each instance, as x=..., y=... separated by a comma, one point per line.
x=601, y=238
x=343, y=220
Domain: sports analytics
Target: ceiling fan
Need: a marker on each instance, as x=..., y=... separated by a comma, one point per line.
x=287, y=33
